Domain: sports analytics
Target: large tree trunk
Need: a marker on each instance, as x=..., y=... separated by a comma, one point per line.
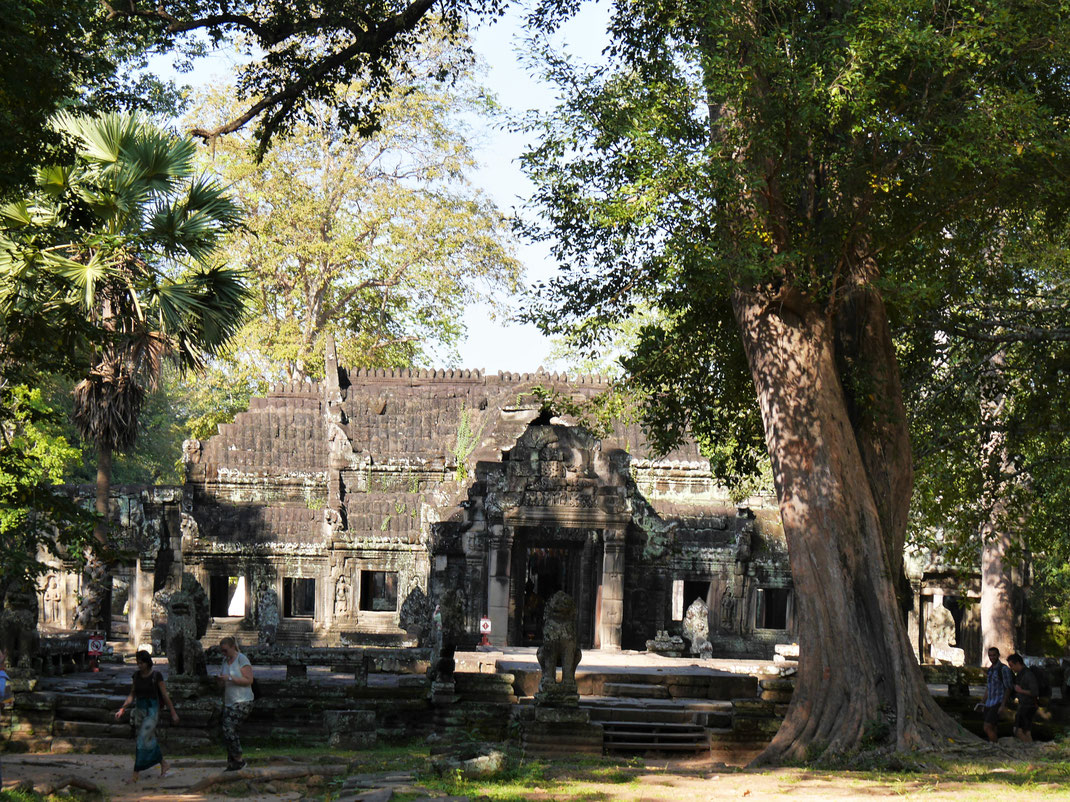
x=94, y=611
x=858, y=682
x=999, y=590
x=869, y=376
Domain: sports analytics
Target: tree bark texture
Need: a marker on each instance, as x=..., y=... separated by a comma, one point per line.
x=999, y=588
x=92, y=614
x=865, y=361
x=859, y=683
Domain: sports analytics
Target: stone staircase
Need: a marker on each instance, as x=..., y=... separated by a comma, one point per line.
x=646, y=725
x=688, y=713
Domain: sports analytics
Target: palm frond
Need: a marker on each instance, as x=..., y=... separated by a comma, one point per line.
x=84, y=276
x=100, y=137
x=16, y=214
x=54, y=180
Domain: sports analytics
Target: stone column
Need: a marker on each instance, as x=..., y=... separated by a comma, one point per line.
x=500, y=552
x=609, y=627
x=140, y=601
x=473, y=543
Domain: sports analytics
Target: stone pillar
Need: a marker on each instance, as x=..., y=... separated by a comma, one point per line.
x=609, y=627
x=140, y=601
x=500, y=553
x=475, y=577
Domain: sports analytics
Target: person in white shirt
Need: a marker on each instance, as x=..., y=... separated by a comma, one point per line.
x=236, y=678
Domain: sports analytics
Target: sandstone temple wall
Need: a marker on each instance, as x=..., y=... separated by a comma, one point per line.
x=344, y=498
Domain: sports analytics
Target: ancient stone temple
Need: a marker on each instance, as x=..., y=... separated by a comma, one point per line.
x=345, y=498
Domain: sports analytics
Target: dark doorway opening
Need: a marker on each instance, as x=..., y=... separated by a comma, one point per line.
x=299, y=598
x=696, y=589
x=221, y=592
x=547, y=569
x=771, y=608
x=379, y=591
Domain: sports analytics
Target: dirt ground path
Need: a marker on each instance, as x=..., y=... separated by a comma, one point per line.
x=111, y=773
x=637, y=781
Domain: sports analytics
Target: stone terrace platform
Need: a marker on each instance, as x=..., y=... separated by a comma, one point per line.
x=643, y=702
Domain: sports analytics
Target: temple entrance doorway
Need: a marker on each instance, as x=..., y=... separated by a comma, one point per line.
x=544, y=562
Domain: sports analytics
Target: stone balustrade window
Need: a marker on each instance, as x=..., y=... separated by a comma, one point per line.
x=379, y=591
x=771, y=608
x=299, y=597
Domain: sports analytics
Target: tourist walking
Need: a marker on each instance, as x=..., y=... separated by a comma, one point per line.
x=147, y=691
x=236, y=677
x=999, y=689
x=1028, y=689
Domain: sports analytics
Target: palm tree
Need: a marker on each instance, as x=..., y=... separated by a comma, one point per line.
x=128, y=237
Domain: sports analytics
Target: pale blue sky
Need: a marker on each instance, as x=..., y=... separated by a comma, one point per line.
x=493, y=344
x=496, y=345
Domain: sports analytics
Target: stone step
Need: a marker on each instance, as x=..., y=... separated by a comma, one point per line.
x=636, y=690
x=655, y=734
x=645, y=746
x=91, y=729
x=650, y=726
x=692, y=712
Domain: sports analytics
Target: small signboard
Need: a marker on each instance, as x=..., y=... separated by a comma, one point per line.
x=96, y=646
x=484, y=625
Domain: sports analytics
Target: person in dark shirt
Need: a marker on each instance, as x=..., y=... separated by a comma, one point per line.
x=146, y=692
x=1028, y=689
x=998, y=693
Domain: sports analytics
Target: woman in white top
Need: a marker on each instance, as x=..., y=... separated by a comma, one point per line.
x=236, y=677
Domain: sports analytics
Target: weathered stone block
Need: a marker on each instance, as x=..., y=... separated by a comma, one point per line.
x=350, y=729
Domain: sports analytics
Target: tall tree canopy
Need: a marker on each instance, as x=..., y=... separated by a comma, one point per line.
x=299, y=53
x=123, y=240
x=380, y=241
x=63, y=53
x=987, y=372
x=775, y=177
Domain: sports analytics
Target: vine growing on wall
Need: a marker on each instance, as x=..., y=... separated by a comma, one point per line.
x=467, y=440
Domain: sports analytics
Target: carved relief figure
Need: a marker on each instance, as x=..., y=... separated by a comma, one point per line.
x=341, y=598
x=53, y=600
x=267, y=615
x=729, y=605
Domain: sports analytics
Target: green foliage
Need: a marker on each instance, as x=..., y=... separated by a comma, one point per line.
x=380, y=242
x=989, y=384
x=125, y=237
x=467, y=441
x=295, y=55
x=33, y=514
x=118, y=246
x=63, y=53
x=792, y=150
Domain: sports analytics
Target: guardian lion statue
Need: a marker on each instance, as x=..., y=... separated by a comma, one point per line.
x=560, y=647
x=18, y=627
x=185, y=654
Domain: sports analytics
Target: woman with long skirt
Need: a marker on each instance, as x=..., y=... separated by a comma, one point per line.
x=147, y=691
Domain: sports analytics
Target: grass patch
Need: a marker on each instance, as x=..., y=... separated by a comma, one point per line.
x=583, y=779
